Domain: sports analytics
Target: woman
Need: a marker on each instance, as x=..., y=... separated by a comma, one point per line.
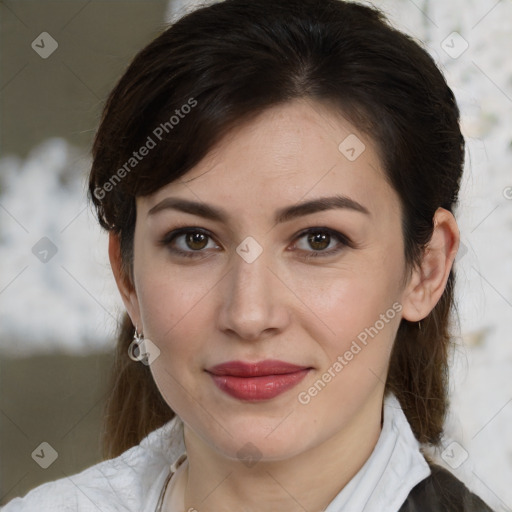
x=278, y=180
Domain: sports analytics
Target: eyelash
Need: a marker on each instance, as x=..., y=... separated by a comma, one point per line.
x=342, y=239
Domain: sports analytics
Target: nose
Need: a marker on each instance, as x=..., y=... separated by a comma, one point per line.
x=253, y=303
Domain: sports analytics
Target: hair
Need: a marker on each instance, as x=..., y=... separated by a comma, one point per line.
x=221, y=65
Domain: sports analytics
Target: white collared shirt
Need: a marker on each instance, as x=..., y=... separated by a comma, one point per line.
x=395, y=466
x=133, y=481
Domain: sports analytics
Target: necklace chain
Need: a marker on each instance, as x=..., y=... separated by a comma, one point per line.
x=174, y=468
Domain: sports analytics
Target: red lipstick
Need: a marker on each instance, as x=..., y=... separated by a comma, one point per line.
x=256, y=381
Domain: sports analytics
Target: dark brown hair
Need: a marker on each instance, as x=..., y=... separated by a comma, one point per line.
x=221, y=65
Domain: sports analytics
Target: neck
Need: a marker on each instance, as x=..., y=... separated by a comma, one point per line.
x=307, y=481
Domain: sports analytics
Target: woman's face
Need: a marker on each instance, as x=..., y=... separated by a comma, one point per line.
x=267, y=279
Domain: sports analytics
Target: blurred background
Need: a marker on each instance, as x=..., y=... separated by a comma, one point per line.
x=58, y=302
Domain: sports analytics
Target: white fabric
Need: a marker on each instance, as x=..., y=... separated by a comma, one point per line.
x=133, y=481
x=395, y=466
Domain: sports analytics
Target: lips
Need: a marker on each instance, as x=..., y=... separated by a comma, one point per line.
x=256, y=381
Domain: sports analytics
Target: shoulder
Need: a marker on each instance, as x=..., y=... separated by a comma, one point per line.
x=119, y=484
x=108, y=482
x=442, y=491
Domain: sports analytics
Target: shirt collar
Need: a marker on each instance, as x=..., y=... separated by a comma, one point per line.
x=395, y=466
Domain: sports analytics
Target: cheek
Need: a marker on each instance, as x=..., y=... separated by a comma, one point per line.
x=362, y=321
x=169, y=313
x=347, y=305
x=170, y=297
x=174, y=319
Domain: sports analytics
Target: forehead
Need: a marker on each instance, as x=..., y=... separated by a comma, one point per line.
x=295, y=151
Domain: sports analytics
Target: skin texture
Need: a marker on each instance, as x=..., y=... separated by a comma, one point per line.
x=217, y=307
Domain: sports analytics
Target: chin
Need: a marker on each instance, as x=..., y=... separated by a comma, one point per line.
x=259, y=440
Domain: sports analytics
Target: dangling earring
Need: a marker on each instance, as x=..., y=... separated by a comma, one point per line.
x=419, y=325
x=136, y=344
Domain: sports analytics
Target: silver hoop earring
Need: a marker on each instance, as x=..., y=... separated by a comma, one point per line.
x=136, y=345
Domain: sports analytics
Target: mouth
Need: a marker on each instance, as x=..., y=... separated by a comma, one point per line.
x=256, y=381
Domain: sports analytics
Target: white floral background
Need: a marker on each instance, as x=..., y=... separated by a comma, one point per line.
x=73, y=303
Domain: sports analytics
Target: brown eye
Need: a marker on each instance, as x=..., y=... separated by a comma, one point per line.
x=324, y=242
x=196, y=240
x=319, y=240
x=189, y=242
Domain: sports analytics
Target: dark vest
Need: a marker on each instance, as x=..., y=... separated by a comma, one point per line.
x=442, y=492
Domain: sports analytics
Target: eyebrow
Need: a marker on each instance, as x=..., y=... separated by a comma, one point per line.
x=282, y=215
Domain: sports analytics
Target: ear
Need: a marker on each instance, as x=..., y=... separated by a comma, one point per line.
x=428, y=282
x=124, y=284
